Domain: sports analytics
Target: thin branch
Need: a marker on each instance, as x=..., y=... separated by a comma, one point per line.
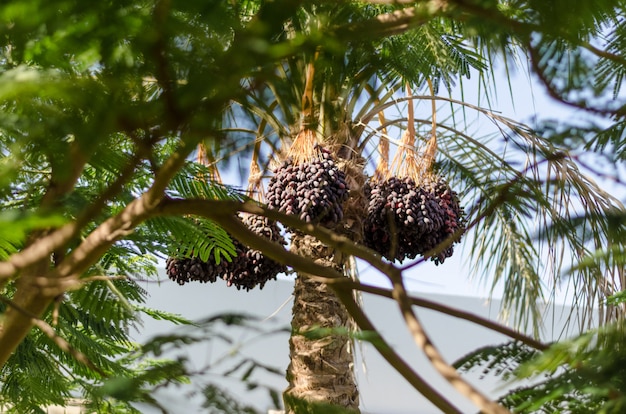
x=45, y=245
x=500, y=198
x=603, y=53
x=345, y=295
x=39, y=250
x=393, y=23
x=217, y=209
x=275, y=251
x=525, y=29
x=423, y=341
x=340, y=284
x=57, y=286
x=15, y=327
x=424, y=303
x=474, y=10
x=391, y=2
x=163, y=72
x=142, y=151
x=405, y=19
x=223, y=212
x=555, y=94
x=611, y=177
x=57, y=189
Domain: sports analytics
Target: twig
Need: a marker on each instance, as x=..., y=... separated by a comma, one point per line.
x=45, y=245
x=555, y=94
x=345, y=295
x=163, y=72
x=393, y=23
x=15, y=328
x=340, y=284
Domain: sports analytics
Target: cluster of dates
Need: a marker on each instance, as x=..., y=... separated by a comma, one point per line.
x=405, y=219
x=314, y=190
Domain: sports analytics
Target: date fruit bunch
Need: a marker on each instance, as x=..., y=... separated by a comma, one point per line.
x=405, y=219
x=314, y=190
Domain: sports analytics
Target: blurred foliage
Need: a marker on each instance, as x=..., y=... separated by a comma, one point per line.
x=157, y=364
x=584, y=374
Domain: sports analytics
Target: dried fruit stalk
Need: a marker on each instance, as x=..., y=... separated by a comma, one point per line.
x=309, y=184
x=382, y=167
x=303, y=147
x=428, y=155
x=406, y=162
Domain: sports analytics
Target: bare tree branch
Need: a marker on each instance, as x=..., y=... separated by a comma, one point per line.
x=163, y=72
x=57, y=188
x=390, y=1
x=151, y=204
x=556, y=94
x=345, y=294
x=341, y=287
x=432, y=353
x=46, y=245
x=393, y=23
x=57, y=286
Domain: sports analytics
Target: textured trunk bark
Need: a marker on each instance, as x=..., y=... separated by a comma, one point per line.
x=321, y=369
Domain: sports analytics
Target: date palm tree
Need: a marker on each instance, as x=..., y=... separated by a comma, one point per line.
x=338, y=95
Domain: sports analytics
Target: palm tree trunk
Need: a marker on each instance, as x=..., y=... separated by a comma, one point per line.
x=321, y=370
